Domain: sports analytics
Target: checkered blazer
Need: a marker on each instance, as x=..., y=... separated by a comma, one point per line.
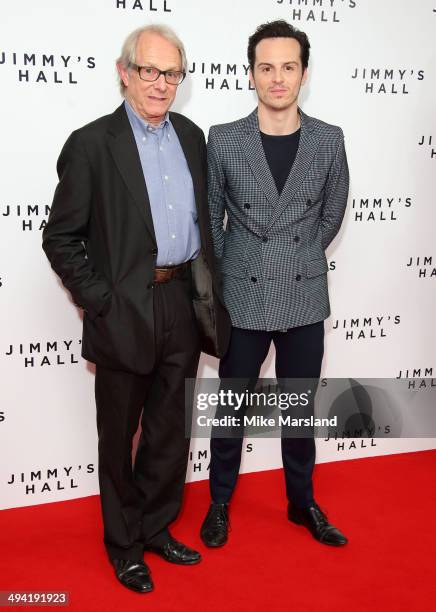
x=271, y=251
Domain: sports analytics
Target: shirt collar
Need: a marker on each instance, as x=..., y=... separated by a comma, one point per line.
x=143, y=126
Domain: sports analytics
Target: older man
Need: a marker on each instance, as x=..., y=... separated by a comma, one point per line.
x=129, y=236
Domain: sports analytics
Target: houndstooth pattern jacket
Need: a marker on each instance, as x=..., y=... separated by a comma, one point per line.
x=271, y=252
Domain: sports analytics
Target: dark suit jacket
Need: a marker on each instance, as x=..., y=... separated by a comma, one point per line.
x=100, y=241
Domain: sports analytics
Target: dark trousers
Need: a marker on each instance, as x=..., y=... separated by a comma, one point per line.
x=299, y=353
x=139, y=501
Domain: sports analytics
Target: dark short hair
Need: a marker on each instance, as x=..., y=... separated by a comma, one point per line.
x=278, y=29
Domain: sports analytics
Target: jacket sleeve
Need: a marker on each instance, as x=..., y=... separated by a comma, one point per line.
x=335, y=195
x=216, y=197
x=66, y=233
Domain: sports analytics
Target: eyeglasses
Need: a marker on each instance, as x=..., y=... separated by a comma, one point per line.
x=150, y=73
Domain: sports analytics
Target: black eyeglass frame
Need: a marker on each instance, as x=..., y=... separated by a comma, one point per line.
x=159, y=72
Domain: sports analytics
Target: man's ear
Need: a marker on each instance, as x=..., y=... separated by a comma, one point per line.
x=251, y=77
x=123, y=74
x=304, y=77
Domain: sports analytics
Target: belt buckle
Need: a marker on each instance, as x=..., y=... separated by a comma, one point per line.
x=162, y=275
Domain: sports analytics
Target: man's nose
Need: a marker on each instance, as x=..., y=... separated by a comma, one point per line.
x=160, y=83
x=277, y=76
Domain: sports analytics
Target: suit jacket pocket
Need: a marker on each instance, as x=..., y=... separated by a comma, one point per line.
x=119, y=339
x=314, y=284
x=316, y=267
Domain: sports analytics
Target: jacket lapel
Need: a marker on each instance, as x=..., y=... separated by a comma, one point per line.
x=253, y=150
x=123, y=148
x=193, y=158
x=307, y=149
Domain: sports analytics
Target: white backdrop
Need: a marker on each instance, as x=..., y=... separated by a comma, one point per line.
x=372, y=72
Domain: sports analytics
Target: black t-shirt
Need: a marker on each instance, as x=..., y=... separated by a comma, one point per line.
x=280, y=152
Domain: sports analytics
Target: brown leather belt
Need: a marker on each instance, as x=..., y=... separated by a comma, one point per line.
x=163, y=275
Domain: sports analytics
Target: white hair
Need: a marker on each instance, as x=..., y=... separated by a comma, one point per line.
x=128, y=51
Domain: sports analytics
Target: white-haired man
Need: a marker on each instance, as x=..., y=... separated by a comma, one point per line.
x=129, y=236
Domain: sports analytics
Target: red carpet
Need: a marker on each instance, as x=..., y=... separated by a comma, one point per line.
x=385, y=505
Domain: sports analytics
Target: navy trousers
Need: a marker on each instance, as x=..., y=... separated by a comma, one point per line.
x=299, y=353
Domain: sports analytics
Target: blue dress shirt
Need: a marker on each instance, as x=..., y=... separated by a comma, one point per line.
x=170, y=190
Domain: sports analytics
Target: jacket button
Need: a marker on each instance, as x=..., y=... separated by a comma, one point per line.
x=297, y=239
x=298, y=277
x=253, y=279
x=309, y=203
x=265, y=239
x=150, y=286
x=153, y=251
x=247, y=205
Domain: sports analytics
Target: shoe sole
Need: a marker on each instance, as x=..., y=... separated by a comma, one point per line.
x=214, y=545
x=181, y=562
x=195, y=562
x=140, y=592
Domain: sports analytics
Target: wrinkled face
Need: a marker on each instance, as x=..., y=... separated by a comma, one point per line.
x=278, y=73
x=151, y=100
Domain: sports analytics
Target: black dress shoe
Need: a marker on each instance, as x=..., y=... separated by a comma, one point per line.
x=316, y=522
x=215, y=527
x=176, y=552
x=134, y=575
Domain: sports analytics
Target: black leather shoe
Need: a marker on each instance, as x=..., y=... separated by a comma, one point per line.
x=215, y=528
x=316, y=522
x=134, y=575
x=176, y=552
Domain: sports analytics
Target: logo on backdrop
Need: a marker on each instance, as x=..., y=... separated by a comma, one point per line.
x=427, y=143
x=423, y=266
x=367, y=327
x=52, y=479
x=379, y=209
x=29, y=217
x=360, y=426
x=376, y=408
x=319, y=11
x=387, y=80
x=418, y=378
x=47, y=68
x=198, y=460
x=2, y=416
x=45, y=353
x=221, y=76
x=152, y=6
x=349, y=445
x=332, y=265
